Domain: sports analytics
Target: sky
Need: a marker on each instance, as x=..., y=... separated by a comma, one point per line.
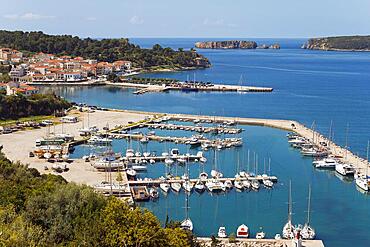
x=188, y=18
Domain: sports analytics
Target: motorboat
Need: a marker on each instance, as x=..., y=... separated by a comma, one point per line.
x=313, y=152
x=255, y=185
x=188, y=186
x=222, y=232
x=260, y=235
x=97, y=140
x=131, y=172
x=228, y=184
x=277, y=236
x=345, y=169
x=247, y=184
x=199, y=186
x=216, y=174
x=238, y=185
x=176, y=187
x=363, y=183
x=267, y=183
x=203, y=176
x=153, y=192
x=138, y=167
x=165, y=187
x=130, y=153
x=175, y=152
x=325, y=163
x=215, y=186
x=187, y=224
x=242, y=231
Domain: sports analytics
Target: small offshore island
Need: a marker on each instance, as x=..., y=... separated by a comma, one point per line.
x=340, y=43
x=234, y=44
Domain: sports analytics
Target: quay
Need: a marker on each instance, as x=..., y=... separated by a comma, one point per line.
x=260, y=242
x=200, y=129
x=193, y=88
x=226, y=142
x=156, y=182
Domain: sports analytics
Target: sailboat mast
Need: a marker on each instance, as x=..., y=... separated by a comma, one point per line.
x=290, y=203
x=309, y=205
x=347, y=140
x=248, y=162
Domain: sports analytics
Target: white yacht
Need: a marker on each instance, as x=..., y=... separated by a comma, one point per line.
x=222, y=232
x=267, y=183
x=260, y=235
x=97, y=140
x=203, y=176
x=345, y=169
x=216, y=174
x=199, y=186
x=187, y=224
x=130, y=153
x=255, y=185
x=215, y=186
x=247, y=184
x=238, y=184
x=228, y=184
x=188, y=186
x=288, y=229
x=325, y=163
x=139, y=167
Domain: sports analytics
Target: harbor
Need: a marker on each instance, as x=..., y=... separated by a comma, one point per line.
x=139, y=189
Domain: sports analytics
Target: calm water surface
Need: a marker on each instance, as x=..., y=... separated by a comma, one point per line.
x=308, y=86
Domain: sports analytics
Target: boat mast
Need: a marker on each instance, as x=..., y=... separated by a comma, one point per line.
x=290, y=203
x=309, y=205
x=248, y=162
x=346, y=147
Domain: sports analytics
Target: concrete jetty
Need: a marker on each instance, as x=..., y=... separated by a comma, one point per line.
x=144, y=88
x=200, y=129
x=205, y=241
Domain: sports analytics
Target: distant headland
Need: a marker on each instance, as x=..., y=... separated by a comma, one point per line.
x=234, y=44
x=340, y=43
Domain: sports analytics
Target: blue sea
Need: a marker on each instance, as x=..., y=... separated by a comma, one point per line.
x=316, y=88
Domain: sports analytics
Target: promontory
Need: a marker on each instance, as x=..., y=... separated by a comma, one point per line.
x=340, y=43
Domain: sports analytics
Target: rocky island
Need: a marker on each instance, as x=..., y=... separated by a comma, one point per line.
x=234, y=44
x=340, y=43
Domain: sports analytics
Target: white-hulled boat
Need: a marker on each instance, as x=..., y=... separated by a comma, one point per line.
x=325, y=163
x=176, y=187
x=168, y=161
x=138, y=167
x=188, y=186
x=247, y=184
x=165, y=187
x=238, y=184
x=222, y=232
x=175, y=152
x=242, y=231
x=144, y=140
x=203, y=159
x=203, y=176
x=187, y=224
x=308, y=232
x=261, y=234
x=363, y=183
x=267, y=183
x=228, y=184
x=345, y=169
x=130, y=153
x=199, y=186
x=255, y=185
x=181, y=161
x=97, y=140
x=216, y=174
x=215, y=186
x=146, y=154
x=153, y=192
x=288, y=229
x=131, y=172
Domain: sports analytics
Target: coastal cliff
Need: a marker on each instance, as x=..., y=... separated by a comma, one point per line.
x=228, y=44
x=342, y=43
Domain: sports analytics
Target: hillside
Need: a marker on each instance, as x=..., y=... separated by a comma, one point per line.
x=108, y=50
x=345, y=43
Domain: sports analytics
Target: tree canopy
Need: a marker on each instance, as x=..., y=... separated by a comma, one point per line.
x=103, y=50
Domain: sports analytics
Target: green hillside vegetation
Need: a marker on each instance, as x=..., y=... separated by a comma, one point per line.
x=18, y=106
x=45, y=210
x=340, y=43
x=103, y=50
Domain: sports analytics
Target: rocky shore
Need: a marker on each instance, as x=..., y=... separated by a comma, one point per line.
x=234, y=44
x=342, y=43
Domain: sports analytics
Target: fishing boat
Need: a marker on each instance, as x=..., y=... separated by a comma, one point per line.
x=165, y=187
x=222, y=232
x=288, y=229
x=176, y=186
x=187, y=224
x=345, y=169
x=308, y=232
x=242, y=231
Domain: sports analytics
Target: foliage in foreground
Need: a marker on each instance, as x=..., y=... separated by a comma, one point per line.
x=18, y=106
x=45, y=210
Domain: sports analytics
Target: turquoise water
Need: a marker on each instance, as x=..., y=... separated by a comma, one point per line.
x=309, y=86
